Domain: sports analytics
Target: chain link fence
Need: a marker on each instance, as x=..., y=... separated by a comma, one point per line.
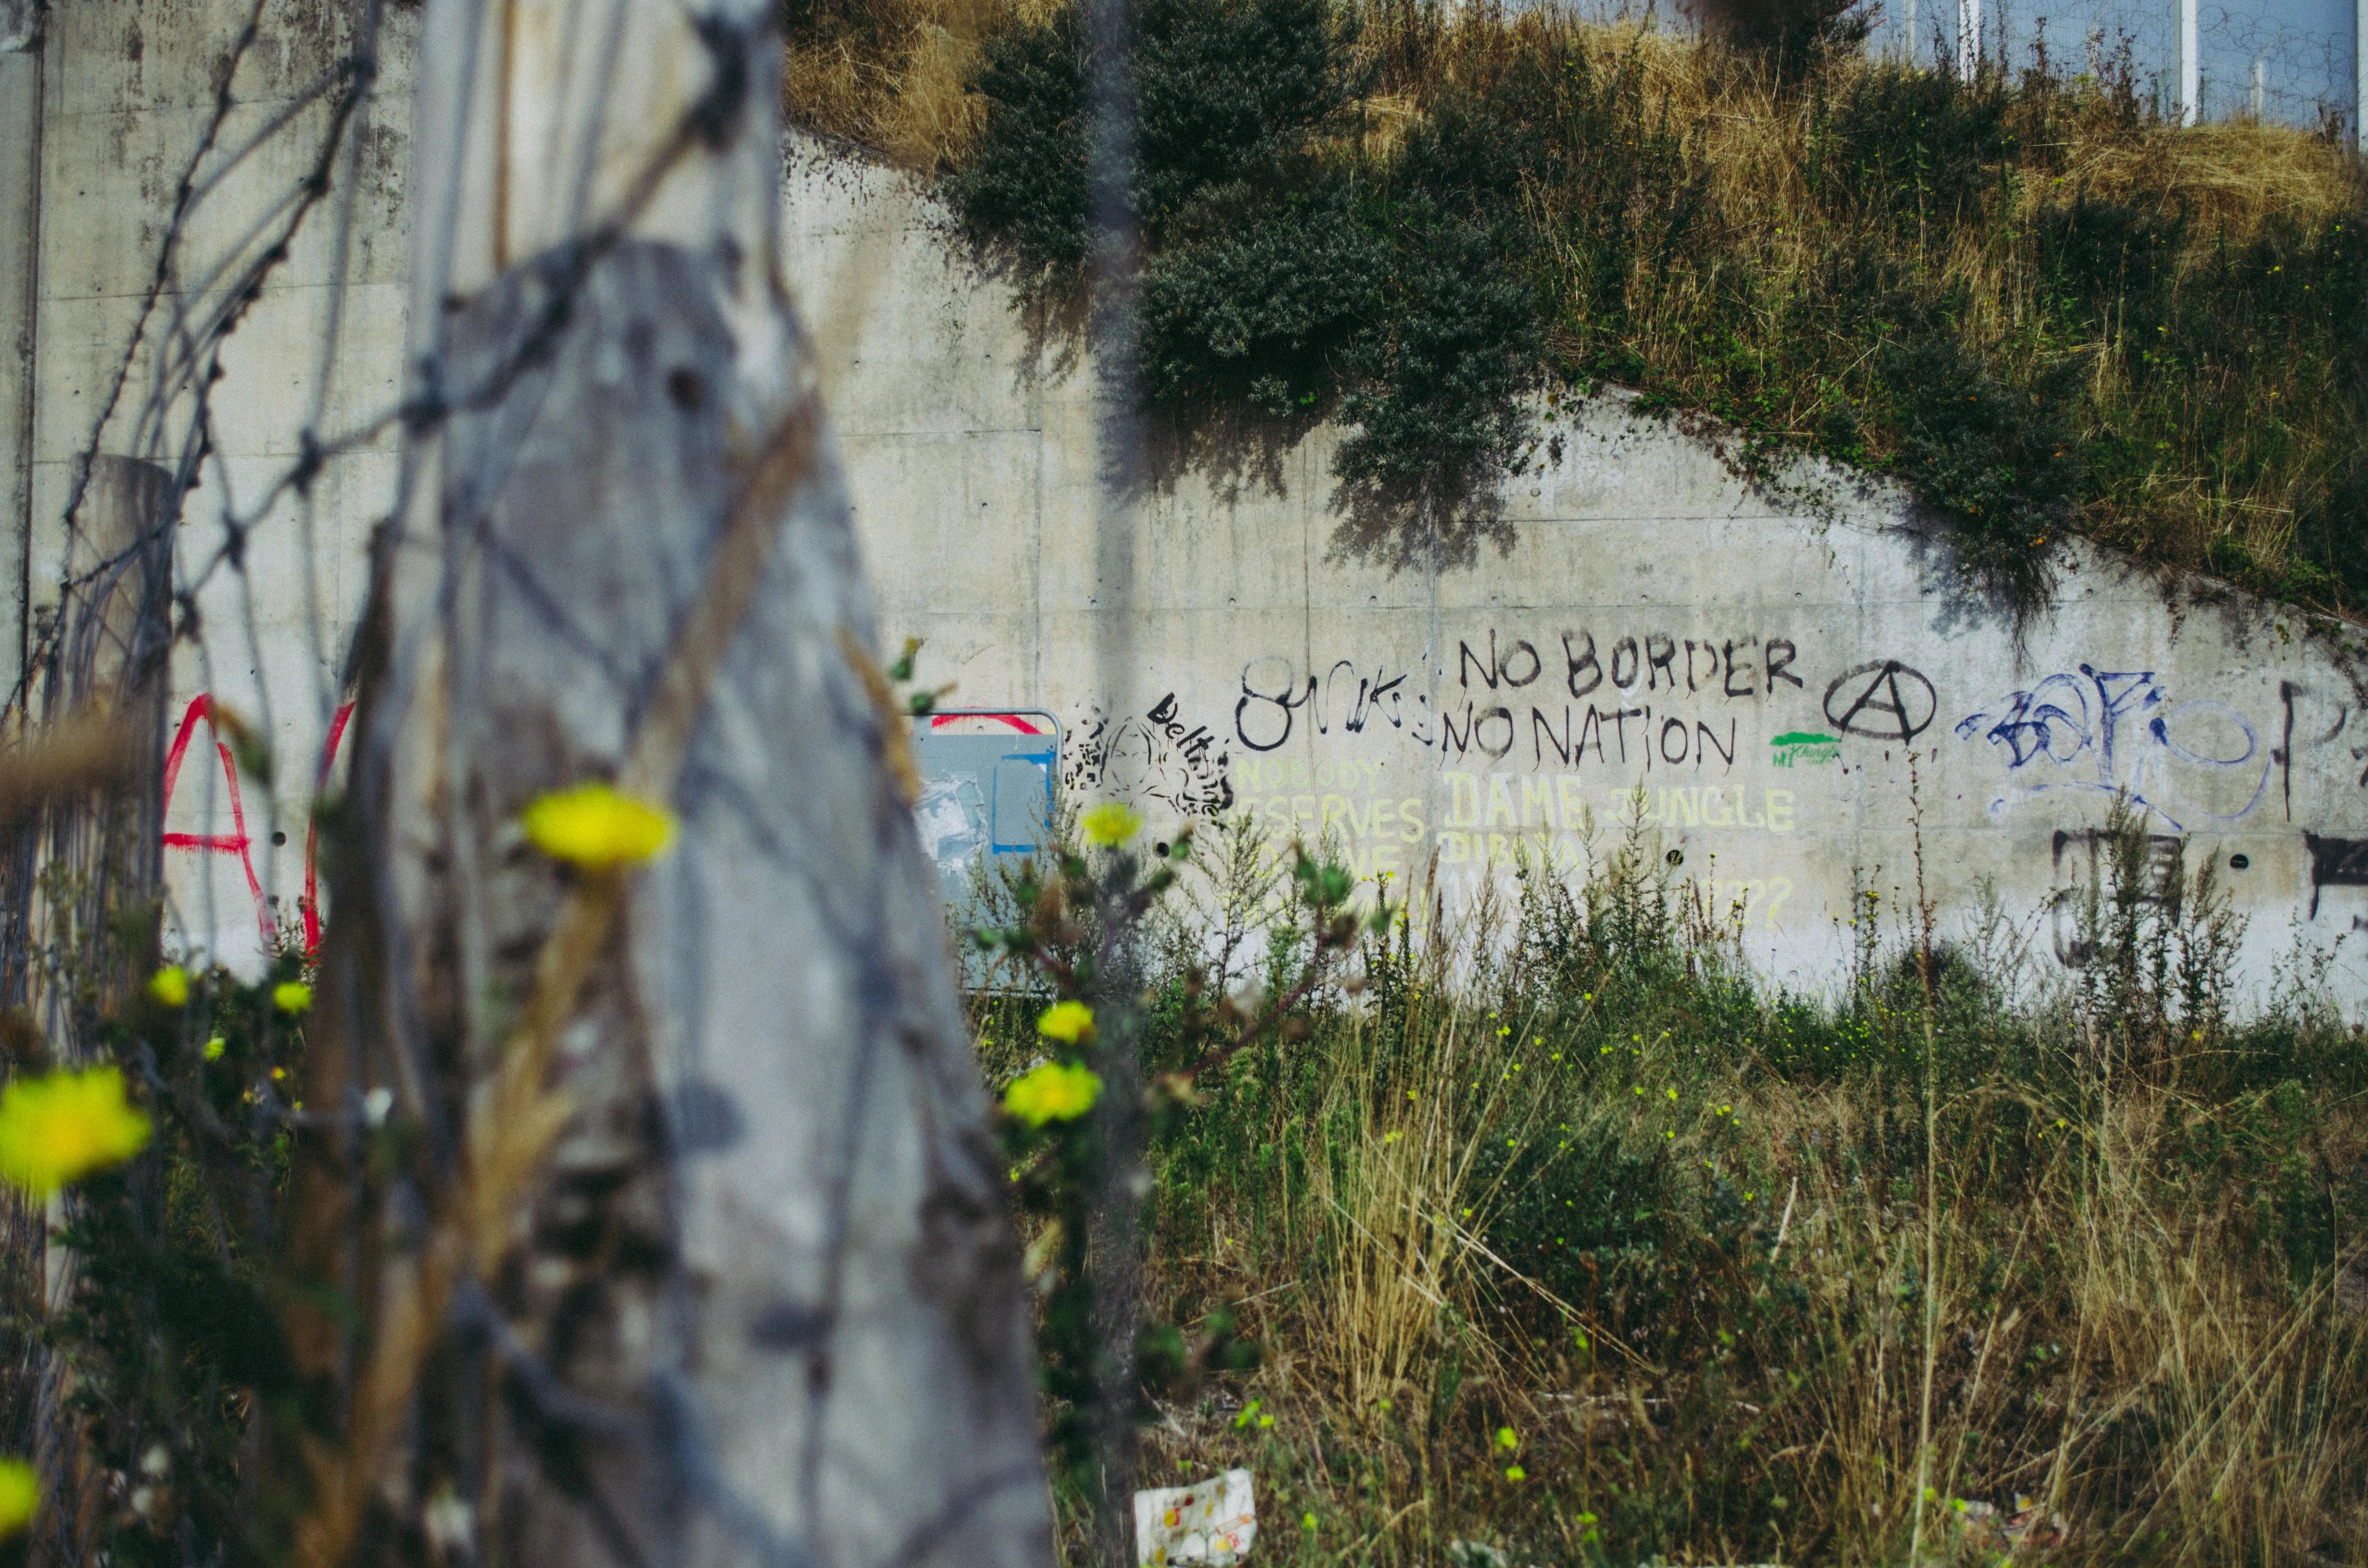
x=2282, y=61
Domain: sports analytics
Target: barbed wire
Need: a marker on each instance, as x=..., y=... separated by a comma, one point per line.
x=229, y=583
x=78, y=881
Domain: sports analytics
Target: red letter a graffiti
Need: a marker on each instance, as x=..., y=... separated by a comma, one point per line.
x=236, y=842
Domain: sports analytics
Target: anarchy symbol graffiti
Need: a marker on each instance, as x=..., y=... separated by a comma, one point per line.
x=1884, y=700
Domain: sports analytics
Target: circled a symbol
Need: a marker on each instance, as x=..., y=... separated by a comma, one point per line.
x=1884, y=701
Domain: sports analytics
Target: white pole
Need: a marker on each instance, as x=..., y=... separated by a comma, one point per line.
x=1908, y=30
x=2191, y=63
x=821, y=1354
x=1969, y=37
x=2260, y=85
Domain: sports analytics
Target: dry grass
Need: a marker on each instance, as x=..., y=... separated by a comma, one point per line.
x=2142, y=1375
x=1398, y=1258
x=2117, y=1338
x=2231, y=174
x=890, y=73
x=2191, y=1416
x=1402, y=1200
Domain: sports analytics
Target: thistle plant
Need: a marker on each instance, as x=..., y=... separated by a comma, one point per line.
x=1075, y=1126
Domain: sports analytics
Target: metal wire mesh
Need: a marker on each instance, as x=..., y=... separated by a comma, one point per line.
x=198, y=422
x=2284, y=61
x=225, y=438
x=197, y=552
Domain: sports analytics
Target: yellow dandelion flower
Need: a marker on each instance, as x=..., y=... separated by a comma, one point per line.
x=292, y=998
x=594, y=826
x=1058, y=1091
x=1071, y=1023
x=215, y=1046
x=1507, y=1439
x=66, y=1126
x=1111, y=823
x=170, y=985
x=20, y=1495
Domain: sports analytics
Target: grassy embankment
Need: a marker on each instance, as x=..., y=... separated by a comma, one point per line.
x=2026, y=295
x=1595, y=1250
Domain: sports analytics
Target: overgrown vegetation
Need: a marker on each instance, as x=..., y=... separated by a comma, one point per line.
x=1543, y=1233
x=1567, y=1239
x=2036, y=302
x=156, y=1304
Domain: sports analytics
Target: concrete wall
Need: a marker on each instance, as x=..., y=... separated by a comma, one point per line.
x=1800, y=701
x=128, y=92
x=20, y=214
x=1792, y=703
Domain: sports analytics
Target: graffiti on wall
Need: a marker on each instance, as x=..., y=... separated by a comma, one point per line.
x=1882, y=700
x=1803, y=748
x=238, y=843
x=2335, y=863
x=1562, y=696
x=2118, y=732
x=1157, y=755
x=1274, y=705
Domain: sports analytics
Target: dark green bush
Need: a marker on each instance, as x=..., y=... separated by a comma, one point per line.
x=1229, y=90
x=2002, y=458
x=1790, y=39
x=2109, y=265
x=1224, y=90
x=1435, y=407
x=1024, y=185
x=1262, y=302
x=1916, y=147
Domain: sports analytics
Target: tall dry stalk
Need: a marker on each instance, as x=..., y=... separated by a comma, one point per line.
x=2182, y=1337
x=2163, y=1322
x=1393, y=1192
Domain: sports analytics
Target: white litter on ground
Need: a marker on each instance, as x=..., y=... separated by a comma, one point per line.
x=1214, y=1522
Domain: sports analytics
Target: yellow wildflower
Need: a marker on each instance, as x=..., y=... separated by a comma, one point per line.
x=1058, y=1091
x=594, y=826
x=215, y=1046
x=20, y=1495
x=63, y=1127
x=1111, y=823
x=170, y=985
x=292, y=998
x=1071, y=1023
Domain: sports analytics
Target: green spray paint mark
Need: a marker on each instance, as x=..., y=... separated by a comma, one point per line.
x=1800, y=748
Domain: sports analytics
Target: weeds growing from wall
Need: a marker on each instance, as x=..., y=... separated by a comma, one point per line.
x=2040, y=306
